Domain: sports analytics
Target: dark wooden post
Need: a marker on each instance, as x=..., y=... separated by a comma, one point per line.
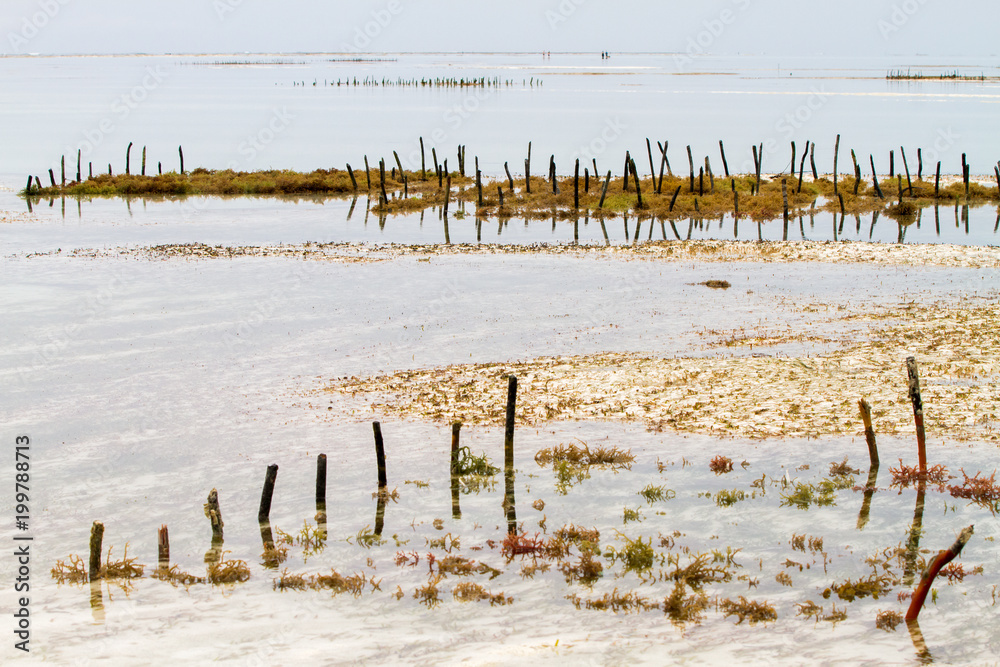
x=143, y=160
x=691, y=170
x=909, y=183
x=180, y=151
x=354, y=181
x=604, y=190
x=128, y=155
x=508, y=457
x=62, y=162
x=866, y=417
x=264, y=512
x=368, y=175
x=163, y=547
x=836, y=156
x=423, y=164
x=510, y=179
x=214, y=514
x=649, y=152
x=321, y=484
x=576, y=184
x=918, y=412
x=96, y=540
x=722, y=151
x=79, y=157
x=379, y=454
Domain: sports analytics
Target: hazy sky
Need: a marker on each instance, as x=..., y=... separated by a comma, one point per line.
x=773, y=27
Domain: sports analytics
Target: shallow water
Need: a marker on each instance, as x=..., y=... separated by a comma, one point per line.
x=145, y=384
x=254, y=116
x=73, y=223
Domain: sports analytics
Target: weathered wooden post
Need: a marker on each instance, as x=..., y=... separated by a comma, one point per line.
x=96, y=540
x=691, y=170
x=379, y=454
x=508, y=450
x=423, y=164
x=918, y=412
x=866, y=417
x=576, y=184
x=128, y=154
x=836, y=156
x=321, y=487
x=180, y=151
x=163, y=547
x=214, y=514
x=354, y=181
x=725, y=165
x=143, y=160
x=942, y=559
x=264, y=512
x=79, y=157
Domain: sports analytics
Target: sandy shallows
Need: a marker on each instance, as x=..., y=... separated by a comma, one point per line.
x=957, y=347
x=942, y=255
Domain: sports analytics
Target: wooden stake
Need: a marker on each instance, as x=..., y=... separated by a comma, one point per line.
x=920, y=165
x=725, y=165
x=942, y=559
x=321, y=484
x=456, y=429
x=62, y=162
x=510, y=179
x=79, y=156
x=812, y=161
x=878, y=189
x=508, y=450
x=527, y=173
x=479, y=185
x=52, y=177
x=128, y=153
x=180, y=151
x=638, y=192
x=368, y=175
x=836, y=155
x=918, y=412
x=399, y=164
x=143, y=161
x=937, y=179
x=447, y=192
x=909, y=183
x=691, y=172
x=576, y=184
x=604, y=190
x=423, y=164
x=96, y=540
x=264, y=512
x=214, y=514
x=649, y=152
x=866, y=417
x=354, y=181
x=163, y=547
x=379, y=454
x=674, y=198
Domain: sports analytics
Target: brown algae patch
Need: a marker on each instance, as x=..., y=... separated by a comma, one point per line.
x=756, y=396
